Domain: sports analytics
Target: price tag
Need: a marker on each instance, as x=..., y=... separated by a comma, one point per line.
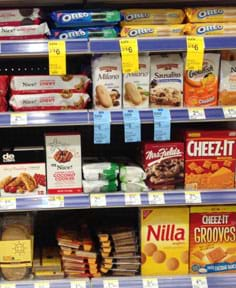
x=56, y=201
x=133, y=199
x=162, y=125
x=8, y=203
x=110, y=283
x=57, y=57
x=132, y=125
x=18, y=119
x=156, y=198
x=150, y=283
x=102, y=127
x=8, y=285
x=78, y=284
x=195, y=53
x=41, y=285
x=193, y=197
x=199, y=282
x=229, y=112
x=98, y=200
x=196, y=113
x=129, y=55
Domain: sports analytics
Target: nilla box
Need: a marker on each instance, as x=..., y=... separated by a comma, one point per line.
x=165, y=241
x=213, y=239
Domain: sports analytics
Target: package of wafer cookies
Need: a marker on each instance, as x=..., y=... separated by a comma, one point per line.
x=212, y=239
x=202, y=29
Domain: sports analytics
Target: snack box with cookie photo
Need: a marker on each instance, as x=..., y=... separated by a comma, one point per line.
x=212, y=240
x=164, y=241
x=64, y=171
x=210, y=159
x=20, y=17
x=22, y=171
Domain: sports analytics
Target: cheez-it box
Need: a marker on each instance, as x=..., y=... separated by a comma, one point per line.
x=210, y=159
x=165, y=241
x=212, y=240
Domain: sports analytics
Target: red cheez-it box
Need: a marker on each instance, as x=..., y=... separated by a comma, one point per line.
x=163, y=163
x=210, y=159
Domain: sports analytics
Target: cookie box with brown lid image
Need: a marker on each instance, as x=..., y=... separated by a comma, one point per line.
x=212, y=239
x=164, y=241
x=210, y=159
x=22, y=171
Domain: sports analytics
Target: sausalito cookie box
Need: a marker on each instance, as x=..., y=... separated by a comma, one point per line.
x=164, y=241
x=210, y=160
x=212, y=240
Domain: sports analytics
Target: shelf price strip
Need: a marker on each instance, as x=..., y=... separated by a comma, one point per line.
x=133, y=199
x=78, y=284
x=229, y=112
x=8, y=203
x=57, y=57
x=162, y=125
x=193, y=197
x=196, y=113
x=156, y=198
x=18, y=118
x=150, y=283
x=199, y=282
x=41, y=285
x=111, y=283
x=7, y=285
x=98, y=200
x=195, y=53
x=102, y=127
x=129, y=55
x=132, y=125
x=56, y=201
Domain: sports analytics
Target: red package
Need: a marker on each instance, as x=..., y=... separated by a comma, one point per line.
x=4, y=81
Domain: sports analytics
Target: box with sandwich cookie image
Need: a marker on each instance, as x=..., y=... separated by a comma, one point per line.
x=212, y=239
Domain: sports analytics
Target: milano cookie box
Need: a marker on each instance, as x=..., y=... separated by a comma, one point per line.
x=164, y=241
x=63, y=152
x=22, y=171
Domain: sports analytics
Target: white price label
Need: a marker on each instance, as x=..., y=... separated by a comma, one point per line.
x=150, y=283
x=18, y=118
x=78, y=284
x=156, y=198
x=193, y=197
x=98, y=200
x=56, y=201
x=196, y=113
x=229, y=112
x=8, y=203
x=8, y=285
x=41, y=285
x=199, y=282
x=133, y=199
x=111, y=283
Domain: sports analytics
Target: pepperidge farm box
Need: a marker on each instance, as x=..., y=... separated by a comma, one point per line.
x=165, y=241
x=213, y=239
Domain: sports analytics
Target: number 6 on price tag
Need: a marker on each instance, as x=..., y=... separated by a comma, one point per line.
x=129, y=55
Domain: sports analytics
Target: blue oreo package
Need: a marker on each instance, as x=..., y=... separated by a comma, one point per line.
x=87, y=32
x=72, y=18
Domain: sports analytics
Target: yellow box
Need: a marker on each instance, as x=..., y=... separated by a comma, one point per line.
x=165, y=241
x=213, y=239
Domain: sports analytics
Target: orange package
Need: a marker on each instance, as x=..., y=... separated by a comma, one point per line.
x=201, y=87
x=210, y=160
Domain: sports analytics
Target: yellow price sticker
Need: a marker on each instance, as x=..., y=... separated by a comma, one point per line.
x=57, y=57
x=195, y=53
x=129, y=55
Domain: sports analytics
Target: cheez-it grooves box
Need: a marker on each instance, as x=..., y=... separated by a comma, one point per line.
x=210, y=160
x=213, y=239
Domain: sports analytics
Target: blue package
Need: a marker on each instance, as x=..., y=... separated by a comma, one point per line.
x=72, y=18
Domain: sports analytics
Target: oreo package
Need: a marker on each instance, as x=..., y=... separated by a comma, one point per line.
x=73, y=18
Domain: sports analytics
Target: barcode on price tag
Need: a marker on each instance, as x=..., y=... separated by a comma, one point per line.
x=229, y=112
x=193, y=197
x=132, y=199
x=18, y=118
x=41, y=285
x=196, y=113
x=110, y=283
x=56, y=201
x=199, y=282
x=7, y=203
x=156, y=198
x=150, y=283
x=98, y=200
x=78, y=284
x=8, y=285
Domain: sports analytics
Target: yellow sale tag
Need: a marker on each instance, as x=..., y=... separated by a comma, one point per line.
x=57, y=57
x=129, y=55
x=195, y=53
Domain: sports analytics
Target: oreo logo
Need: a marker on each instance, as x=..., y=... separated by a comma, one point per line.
x=209, y=12
x=206, y=29
x=7, y=158
x=142, y=31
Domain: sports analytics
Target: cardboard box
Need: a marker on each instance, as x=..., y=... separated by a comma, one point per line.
x=64, y=172
x=210, y=160
x=213, y=238
x=165, y=241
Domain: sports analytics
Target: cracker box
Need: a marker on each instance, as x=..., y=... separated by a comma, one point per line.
x=63, y=151
x=164, y=241
x=210, y=160
x=213, y=238
x=163, y=163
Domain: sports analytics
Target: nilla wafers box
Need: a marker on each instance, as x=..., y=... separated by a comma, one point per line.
x=165, y=241
x=213, y=239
